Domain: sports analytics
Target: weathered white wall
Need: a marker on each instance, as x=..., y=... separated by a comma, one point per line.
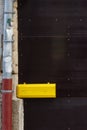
x=17, y=114
x=17, y=103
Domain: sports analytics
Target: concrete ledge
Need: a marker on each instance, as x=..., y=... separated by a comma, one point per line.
x=0, y=106
x=17, y=104
x=0, y=115
x=17, y=117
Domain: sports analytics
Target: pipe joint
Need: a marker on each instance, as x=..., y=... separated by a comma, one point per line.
x=7, y=91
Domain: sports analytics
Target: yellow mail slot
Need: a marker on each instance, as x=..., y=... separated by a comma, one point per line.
x=36, y=91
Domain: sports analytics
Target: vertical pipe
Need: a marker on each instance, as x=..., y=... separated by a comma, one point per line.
x=7, y=66
x=7, y=105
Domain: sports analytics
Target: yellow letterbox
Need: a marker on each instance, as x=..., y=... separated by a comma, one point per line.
x=36, y=90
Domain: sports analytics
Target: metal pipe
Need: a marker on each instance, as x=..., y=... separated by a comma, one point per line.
x=7, y=67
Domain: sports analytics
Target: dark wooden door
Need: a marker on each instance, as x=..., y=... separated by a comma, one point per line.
x=53, y=48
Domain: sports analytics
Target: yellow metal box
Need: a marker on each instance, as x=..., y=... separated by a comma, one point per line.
x=36, y=91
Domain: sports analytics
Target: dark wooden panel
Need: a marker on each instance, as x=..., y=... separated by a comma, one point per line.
x=53, y=59
x=61, y=113
x=52, y=48
x=52, y=17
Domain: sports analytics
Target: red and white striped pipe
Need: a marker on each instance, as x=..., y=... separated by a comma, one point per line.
x=7, y=66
